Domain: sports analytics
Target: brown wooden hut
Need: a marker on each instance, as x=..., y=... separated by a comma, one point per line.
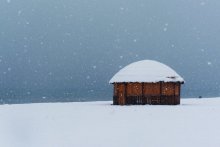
x=146, y=82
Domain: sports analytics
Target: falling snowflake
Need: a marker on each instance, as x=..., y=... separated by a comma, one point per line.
x=19, y=12
x=164, y=29
x=91, y=90
x=209, y=63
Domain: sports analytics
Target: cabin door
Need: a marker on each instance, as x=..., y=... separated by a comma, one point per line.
x=121, y=94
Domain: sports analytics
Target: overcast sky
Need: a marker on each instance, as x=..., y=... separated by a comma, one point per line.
x=71, y=48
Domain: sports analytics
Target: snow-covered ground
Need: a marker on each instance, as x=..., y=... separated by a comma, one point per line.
x=194, y=123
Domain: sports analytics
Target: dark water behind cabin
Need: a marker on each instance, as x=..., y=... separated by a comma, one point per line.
x=48, y=96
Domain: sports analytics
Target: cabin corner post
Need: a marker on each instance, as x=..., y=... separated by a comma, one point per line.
x=174, y=94
x=115, y=99
x=142, y=96
x=125, y=95
x=142, y=85
x=161, y=91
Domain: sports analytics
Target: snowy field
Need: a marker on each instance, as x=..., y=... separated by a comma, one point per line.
x=194, y=123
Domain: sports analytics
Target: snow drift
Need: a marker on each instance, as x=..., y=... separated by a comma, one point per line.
x=195, y=123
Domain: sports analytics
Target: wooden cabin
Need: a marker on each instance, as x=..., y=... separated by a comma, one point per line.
x=147, y=82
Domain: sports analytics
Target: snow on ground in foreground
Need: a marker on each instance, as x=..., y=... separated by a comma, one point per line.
x=194, y=123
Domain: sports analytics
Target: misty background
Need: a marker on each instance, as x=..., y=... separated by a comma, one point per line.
x=68, y=50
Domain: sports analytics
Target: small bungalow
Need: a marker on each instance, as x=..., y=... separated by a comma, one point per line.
x=146, y=82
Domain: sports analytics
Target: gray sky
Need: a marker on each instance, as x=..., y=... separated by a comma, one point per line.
x=71, y=48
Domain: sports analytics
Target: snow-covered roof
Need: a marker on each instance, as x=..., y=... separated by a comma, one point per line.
x=148, y=71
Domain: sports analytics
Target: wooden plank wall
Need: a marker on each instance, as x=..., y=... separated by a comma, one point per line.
x=134, y=89
x=151, y=89
x=139, y=89
x=157, y=90
x=168, y=89
x=177, y=89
